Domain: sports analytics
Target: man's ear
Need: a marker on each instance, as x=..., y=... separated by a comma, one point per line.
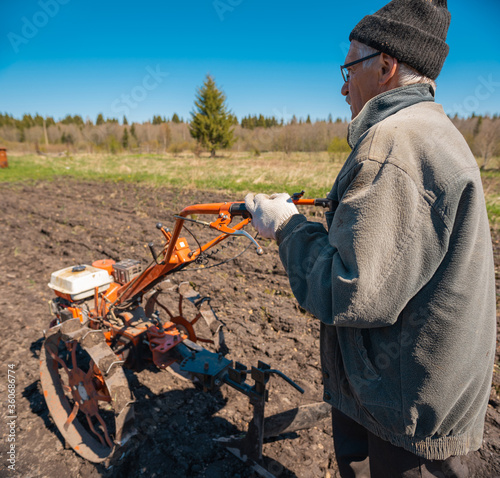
x=388, y=67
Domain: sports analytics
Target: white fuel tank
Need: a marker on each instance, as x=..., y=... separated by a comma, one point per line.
x=80, y=281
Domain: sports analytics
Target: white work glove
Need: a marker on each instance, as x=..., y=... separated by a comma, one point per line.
x=269, y=212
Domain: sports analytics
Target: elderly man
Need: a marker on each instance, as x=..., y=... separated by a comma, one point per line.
x=403, y=280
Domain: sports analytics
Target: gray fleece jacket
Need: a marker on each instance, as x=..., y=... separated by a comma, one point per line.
x=403, y=281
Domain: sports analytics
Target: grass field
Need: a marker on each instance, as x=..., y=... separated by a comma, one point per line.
x=237, y=173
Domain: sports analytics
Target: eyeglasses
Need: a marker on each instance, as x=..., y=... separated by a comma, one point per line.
x=345, y=71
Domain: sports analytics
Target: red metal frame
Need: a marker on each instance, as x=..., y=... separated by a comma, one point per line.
x=175, y=253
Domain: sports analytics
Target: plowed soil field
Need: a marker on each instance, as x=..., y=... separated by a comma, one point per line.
x=47, y=226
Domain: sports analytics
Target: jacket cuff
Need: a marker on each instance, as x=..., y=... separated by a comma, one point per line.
x=288, y=226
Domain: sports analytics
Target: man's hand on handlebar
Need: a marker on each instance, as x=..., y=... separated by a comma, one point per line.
x=269, y=212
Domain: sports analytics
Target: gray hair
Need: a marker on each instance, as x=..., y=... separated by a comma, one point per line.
x=407, y=74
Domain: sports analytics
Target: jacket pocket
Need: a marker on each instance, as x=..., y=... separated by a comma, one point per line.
x=369, y=369
x=372, y=383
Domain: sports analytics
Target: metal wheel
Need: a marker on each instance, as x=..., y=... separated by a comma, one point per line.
x=86, y=390
x=201, y=305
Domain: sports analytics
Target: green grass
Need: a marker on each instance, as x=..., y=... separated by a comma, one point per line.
x=491, y=174
x=491, y=184
x=236, y=173
x=493, y=208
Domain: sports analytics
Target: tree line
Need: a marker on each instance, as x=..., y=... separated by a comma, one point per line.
x=249, y=122
x=212, y=127
x=28, y=121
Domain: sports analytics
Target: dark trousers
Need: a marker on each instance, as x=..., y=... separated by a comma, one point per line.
x=361, y=454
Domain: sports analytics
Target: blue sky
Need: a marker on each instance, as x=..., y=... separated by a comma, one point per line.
x=273, y=57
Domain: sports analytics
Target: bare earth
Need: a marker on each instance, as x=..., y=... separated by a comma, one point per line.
x=47, y=226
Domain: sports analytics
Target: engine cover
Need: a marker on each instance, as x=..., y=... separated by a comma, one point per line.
x=80, y=282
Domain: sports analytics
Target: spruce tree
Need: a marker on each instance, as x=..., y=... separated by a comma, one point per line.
x=125, y=138
x=99, y=120
x=175, y=118
x=211, y=123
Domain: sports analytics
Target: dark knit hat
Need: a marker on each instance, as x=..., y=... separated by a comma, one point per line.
x=413, y=31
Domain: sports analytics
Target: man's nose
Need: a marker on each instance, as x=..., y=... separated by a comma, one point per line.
x=345, y=88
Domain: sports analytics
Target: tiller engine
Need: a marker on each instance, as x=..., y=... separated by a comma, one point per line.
x=106, y=317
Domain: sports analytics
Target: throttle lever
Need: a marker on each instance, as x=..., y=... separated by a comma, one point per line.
x=153, y=252
x=239, y=232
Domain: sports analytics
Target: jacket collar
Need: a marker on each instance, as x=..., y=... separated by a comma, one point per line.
x=384, y=105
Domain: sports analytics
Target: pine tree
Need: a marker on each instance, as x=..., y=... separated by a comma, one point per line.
x=125, y=121
x=27, y=121
x=125, y=138
x=478, y=126
x=211, y=123
x=157, y=120
x=175, y=118
x=99, y=120
x=67, y=120
x=38, y=120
